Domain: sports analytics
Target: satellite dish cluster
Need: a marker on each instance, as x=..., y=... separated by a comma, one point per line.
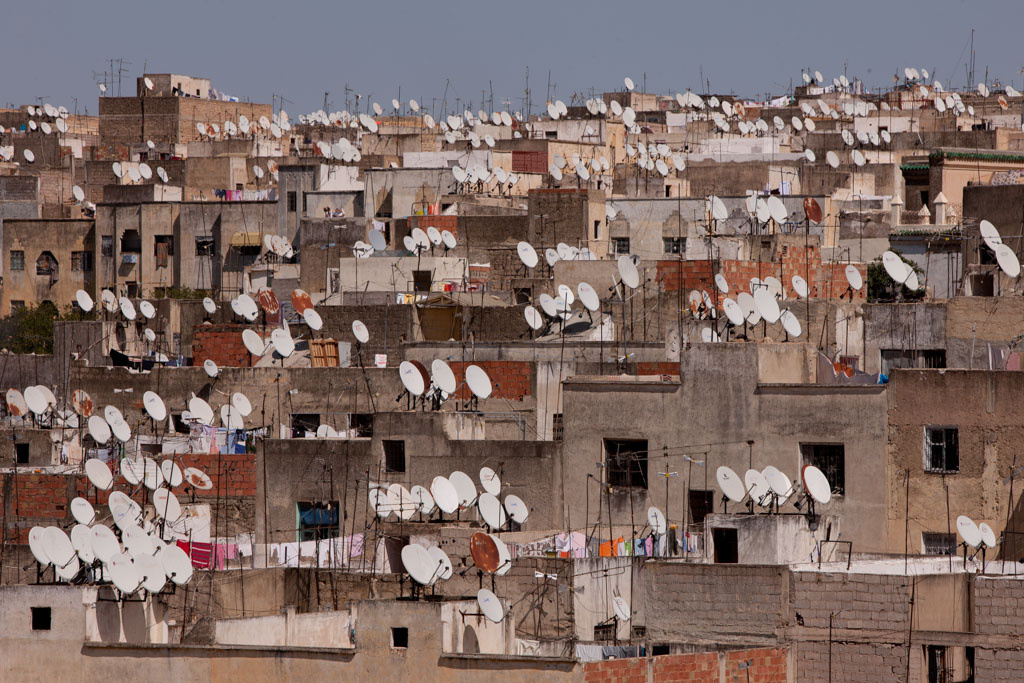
x=770, y=488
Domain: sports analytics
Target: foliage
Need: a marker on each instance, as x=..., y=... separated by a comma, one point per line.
x=882, y=288
x=29, y=330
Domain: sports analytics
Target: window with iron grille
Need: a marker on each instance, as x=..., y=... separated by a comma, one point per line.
x=106, y=245
x=626, y=462
x=620, y=245
x=674, y=245
x=830, y=458
x=81, y=261
x=604, y=633
x=317, y=520
x=17, y=260
x=557, y=426
x=292, y=201
x=941, y=449
x=938, y=544
x=361, y=424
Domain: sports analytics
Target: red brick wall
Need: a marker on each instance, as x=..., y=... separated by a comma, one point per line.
x=767, y=666
x=442, y=223
x=222, y=344
x=529, y=162
x=824, y=280
x=660, y=368
x=515, y=378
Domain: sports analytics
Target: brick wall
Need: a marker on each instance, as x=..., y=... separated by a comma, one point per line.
x=442, y=223
x=824, y=280
x=510, y=379
x=766, y=666
x=866, y=601
x=529, y=162
x=34, y=499
x=222, y=344
x=661, y=368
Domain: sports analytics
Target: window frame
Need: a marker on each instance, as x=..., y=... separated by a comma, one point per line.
x=932, y=539
x=17, y=260
x=838, y=483
x=634, y=474
x=930, y=445
x=316, y=532
x=82, y=262
x=389, y=447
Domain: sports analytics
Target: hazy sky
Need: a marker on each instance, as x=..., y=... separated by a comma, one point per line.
x=253, y=49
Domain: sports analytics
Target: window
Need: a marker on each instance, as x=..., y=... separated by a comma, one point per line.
x=626, y=461
x=522, y=295
x=661, y=649
x=702, y=504
x=46, y=264
x=204, y=246
x=40, y=618
x=17, y=260
x=303, y=423
x=940, y=669
x=304, y=203
x=16, y=304
x=605, y=633
x=917, y=358
x=557, y=426
x=21, y=453
x=620, y=245
x=941, y=449
x=81, y=261
x=164, y=241
x=938, y=544
x=597, y=229
x=361, y=424
x=830, y=458
x=399, y=637
x=727, y=549
x=131, y=242
x=106, y=245
x=674, y=245
x=421, y=280
x=394, y=455
x=291, y=201
x=317, y=520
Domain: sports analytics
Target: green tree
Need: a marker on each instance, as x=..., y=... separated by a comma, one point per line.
x=881, y=287
x=29, y=330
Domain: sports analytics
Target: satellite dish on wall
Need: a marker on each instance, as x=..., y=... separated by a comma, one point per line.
x=968, y=531
x=621, y=608
x=490, y=605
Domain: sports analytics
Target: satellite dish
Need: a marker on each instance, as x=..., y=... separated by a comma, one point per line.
x=533, y=318
x=444, y=494
x=730, y=484
x=491, y=511
x=621, y=608
x=254, y=344
x=490, y=605
x=858, y=157
x=718, y=210
x=809, y=155
x=1007, y=260
x=162, y=174
x=816, y=484
x=96, y=470
x=413, y=378
x=988, y=537
x=656, y=520
x=419, y=564
x=147, y=309
x=313, y=319
x=197, y=479
x=36, y=400
x=800, y=286
x=99, y=430
x=442, y=376
x=29, y=155
x=489, y=479
x=790, y=323
x=777, y=210
x=812, y=210
x=176, y=564
x=448, y=238
x=210, y=367
x=283, y=342
x=628, y=272
x=832, y=159
x=748, y=307
x=478, y=381
x=80, y=401
x=81, y=539
x=767, y=306
x=82, y=511
x=61, y=552
x=37, y=544
x=516, y=509
x=154, y=406
x=990, y=234
x=104, y=543
x=968, y=531
x=588, y=296
x=778, y=482
x=733, y=311
x=895, y=266
x=424, y=501
x=208, y=305
x=853, y=276
x=200, y=410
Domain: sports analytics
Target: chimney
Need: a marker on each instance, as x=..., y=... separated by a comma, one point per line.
x=896, y=206
x=940, y=203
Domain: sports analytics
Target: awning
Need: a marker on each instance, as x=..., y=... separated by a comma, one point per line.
x=246, y=239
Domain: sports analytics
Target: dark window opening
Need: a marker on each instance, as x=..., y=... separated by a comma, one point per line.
x=17, y=260
x=81, y=261
x=605, y=633
x=421, y=280
x=303, y=423
x=247, y=255
x=639, y=632
x=305, y=203
x=361, y=424
x=46, y=264
x=674, y=245
x=830, y=458
x=557, y=426
x=620, y=245
x=626, y=461
x=394, y=455
x=726, y=546
x=131, y=242
x=399, y=637
x=938, y=544
x=913, y=358
x=941, y=449
x=317, y=520
x=204, y=246
x=21, y=451
x=661, y=649
x=597, y=229
x=179, y=424
x=106, y=245
x=40, y=618
x=292, y=200
x=165, y=241
x=523, y=295
x=939, y=668
x=702, y=504
x=16, y=304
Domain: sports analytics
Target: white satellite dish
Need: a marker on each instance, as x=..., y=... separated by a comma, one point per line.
x=154, y=406
x=767, y=305
x=854, y=277
x=533, y=318
x=588, y=296
x=442, y=376
x=127, y=308
x=777, y=209
x=360, y=332
x=444, y=494
x=832, y=159
x=490, y=605
x=621, y=607
x=730, y=484
x=210, y=367
x=1008, y=261
x=419, y=564
x=412, y=377
x=312, y=319
x=816, y=484
x=988, y=537
x=200, y=410
x=490, y=480
x=733, y=311
x=968, y=531
x=82, y=511
x=800, y=286
x=99, y=430
x=990, y=234
x=790, y=323
x=283, y=342
x=628, y=272
x=516, y=509
x=527, y=254
x=254, y=344
x=241, y=403
x=478, y=381
x=491, y=510
x=96, y=470
x=656, y=520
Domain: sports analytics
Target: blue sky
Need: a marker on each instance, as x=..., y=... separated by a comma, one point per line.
x=301, y=50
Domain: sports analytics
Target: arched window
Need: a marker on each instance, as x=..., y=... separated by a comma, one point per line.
x=46, y=264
